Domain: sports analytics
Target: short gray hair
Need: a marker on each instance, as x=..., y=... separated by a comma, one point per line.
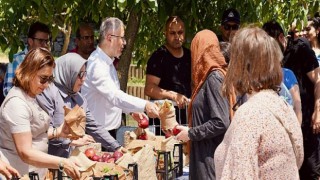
x=109, y=24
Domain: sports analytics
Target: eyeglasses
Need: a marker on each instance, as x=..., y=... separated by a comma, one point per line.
x=45, y=79
x=82, y=74
x=86, y=37
x=122, y=37
x=229, y=27
x=43, y=41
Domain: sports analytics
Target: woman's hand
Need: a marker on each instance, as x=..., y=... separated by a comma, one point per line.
x=122, y=150
x=183, y=135
x=8, y=171
x=71, y=169
x=85, y=140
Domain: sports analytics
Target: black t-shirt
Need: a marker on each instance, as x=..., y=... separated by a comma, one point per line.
x=175, y=73
x=301, y=59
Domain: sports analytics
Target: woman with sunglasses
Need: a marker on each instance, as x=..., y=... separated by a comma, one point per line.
x=69, y=76
x=24, y=126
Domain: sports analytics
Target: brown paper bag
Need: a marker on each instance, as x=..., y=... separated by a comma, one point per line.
x=76, y=120
x=146, y=161
x=167, y=115
x=81, y=159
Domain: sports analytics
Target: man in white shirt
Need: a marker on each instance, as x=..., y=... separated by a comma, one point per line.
x=102, y=88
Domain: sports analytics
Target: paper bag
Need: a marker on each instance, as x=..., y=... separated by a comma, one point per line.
x=146, y=160
x=76, y=120
x=167, y=115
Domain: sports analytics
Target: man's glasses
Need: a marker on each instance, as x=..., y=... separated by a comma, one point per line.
x=82, y=74
x=229, y=27
x=42, y=41
x=45, y=79
x=86, y=37
x=122, y=37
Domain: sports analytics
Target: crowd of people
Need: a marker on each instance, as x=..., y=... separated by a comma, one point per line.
x=247, y=100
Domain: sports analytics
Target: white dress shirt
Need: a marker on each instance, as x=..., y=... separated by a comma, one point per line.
x=102, y=90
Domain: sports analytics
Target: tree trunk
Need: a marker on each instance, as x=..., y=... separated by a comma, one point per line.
x=67, y=33
x=125, y=59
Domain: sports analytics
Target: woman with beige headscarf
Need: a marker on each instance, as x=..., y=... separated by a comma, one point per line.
x=209, y=115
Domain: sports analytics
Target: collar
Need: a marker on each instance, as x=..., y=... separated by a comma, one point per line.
x=104, y=56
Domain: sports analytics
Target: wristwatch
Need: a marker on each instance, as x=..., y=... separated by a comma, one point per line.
x=61, y=166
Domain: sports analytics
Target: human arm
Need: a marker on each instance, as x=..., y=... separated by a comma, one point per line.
x=217, y=111
x=314, y=77
x=99, y=134
x=23, y=143
x=153, y=90
x=295, y=93
x=103, y=79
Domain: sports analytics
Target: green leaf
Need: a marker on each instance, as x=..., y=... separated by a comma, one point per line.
x=13, y=50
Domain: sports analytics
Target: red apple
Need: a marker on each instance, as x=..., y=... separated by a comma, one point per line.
x=117, y=155
x=167, y=135
x=95, y=158
x=176, y=131
x=90, y=152
x=143, y=123
x=106, y=156
x=111, y=160
x=143, y=136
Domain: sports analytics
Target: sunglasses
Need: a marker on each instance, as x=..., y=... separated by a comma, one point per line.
x=82, y=74
x=45, y=79
x=229, y=27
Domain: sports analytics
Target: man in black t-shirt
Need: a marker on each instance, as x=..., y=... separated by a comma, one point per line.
x=169, y=70
x=300, y=58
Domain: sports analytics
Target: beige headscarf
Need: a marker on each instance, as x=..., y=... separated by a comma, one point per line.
x=205, y=58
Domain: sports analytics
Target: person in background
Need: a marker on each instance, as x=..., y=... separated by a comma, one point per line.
x=69, y=75
x=264, y=140
x=209, y=111
x=25, y=133
x=301, y=59
x=225, y=50
x=168, y=74
x=106, y=100
x=230, y=23
x=38, y=36
x=84, y=41
x=312, y=34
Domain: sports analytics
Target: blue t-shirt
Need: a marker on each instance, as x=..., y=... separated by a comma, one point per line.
x=288, y=81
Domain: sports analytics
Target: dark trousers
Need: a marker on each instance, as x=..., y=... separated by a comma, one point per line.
x=113, y=133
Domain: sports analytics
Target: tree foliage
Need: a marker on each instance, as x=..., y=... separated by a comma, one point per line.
x=149, y=15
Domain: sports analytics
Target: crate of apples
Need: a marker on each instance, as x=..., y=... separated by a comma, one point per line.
x=103, y=156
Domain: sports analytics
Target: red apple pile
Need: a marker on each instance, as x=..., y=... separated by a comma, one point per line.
x=105, y=157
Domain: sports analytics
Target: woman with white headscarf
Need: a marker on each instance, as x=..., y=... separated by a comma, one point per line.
x=69, y=75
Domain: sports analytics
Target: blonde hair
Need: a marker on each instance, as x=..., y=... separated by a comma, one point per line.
x=255, y=59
